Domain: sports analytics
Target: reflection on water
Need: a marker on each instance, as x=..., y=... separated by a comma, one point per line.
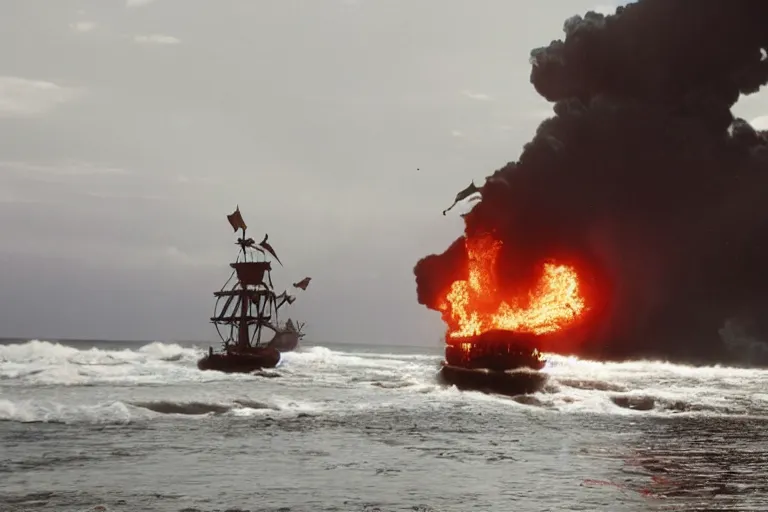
x=691, y=463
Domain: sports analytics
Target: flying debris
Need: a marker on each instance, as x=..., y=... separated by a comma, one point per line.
x=303, y=283
x=470, y=190
x=269, y=248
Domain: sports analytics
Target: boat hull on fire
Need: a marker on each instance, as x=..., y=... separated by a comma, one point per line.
x=522, y=381
x=497, y=361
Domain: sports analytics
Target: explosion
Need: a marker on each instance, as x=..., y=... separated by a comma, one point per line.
x=634, y=222
x=475, y=305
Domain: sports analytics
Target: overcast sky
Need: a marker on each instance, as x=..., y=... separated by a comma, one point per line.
x=130, y=129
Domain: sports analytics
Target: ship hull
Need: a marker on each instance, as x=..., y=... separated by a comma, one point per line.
x=521, y=381
x=240, y=362
x=285, y=341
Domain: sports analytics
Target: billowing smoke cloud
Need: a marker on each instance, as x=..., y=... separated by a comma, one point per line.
x=644, y=180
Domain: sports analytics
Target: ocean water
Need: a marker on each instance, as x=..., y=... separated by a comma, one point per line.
x=136, y=427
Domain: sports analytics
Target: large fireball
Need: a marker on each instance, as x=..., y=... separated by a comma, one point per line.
x=476, y=305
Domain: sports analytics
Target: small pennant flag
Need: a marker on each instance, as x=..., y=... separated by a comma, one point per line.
x=303, y=283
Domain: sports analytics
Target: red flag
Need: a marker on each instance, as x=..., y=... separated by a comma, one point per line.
x=303, y=283
x=236, y=220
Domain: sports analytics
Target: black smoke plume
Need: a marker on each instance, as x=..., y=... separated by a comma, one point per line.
x=644, y=179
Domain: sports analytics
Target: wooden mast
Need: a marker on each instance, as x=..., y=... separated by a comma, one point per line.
x=260, y=310
x=243, y=338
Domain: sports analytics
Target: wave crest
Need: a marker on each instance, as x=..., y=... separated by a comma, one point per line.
x=39, y=362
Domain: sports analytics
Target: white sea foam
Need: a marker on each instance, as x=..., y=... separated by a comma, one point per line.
x=43, y=381
x=48, y=411
x=120, y=411
x=45, y=363
x=674, y=389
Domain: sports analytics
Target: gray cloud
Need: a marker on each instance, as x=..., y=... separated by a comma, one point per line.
x=22, y=97
x=156, y=39
x=82, y=26
x=476, y=95
x=137, y=3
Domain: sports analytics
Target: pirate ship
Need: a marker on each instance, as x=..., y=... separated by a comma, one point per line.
x=247, y=308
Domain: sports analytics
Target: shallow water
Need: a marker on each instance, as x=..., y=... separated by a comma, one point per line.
x=130, y=426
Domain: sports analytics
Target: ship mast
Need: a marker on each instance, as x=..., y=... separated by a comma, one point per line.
x=243, y=336
x=247, y=300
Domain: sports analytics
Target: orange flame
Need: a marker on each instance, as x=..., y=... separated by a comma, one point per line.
x=473, y=306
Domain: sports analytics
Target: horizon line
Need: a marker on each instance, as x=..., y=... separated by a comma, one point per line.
x=115, y=340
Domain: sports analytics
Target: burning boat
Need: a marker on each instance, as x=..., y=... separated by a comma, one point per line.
x=495, y=350
x=247, y=307
x=493, y=340
x=495, y=361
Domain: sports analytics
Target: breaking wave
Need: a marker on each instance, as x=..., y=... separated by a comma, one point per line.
x=120, y=412
x=53, y=382
x=45, y=363
x=652, y=386
x=200, y=408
